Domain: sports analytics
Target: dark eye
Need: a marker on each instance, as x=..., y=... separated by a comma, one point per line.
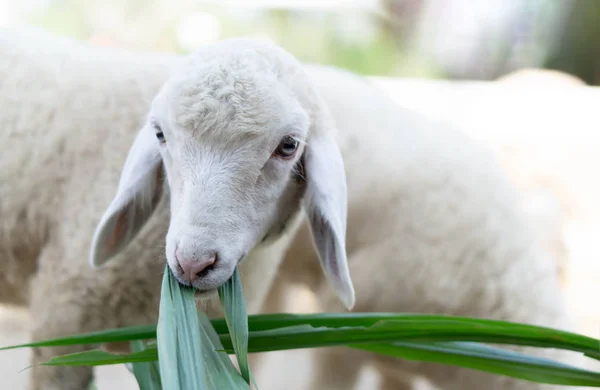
x=159, y=134
x=287, y=147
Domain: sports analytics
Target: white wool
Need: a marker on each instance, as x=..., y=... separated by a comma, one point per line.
x=431, y=224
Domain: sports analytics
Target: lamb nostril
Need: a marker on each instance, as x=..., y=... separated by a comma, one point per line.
x=210, y=267
x=195, y=268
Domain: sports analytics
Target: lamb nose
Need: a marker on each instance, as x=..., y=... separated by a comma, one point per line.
x=193, y=267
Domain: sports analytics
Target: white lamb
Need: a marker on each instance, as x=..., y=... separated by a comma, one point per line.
x=239, y=144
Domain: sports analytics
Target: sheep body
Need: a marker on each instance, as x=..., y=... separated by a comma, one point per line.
x=83, y=107
x=70, y=113
x=76, y=109
x=434, y=227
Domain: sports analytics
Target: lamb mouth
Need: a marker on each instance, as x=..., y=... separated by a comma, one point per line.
x=205, y=294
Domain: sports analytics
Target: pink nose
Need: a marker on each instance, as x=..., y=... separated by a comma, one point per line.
x=192, y=267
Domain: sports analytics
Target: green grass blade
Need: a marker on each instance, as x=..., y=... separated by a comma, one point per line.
x=488, y=359
x=147, y=374
x=234, y=305
x=222, y=374
x=431, y=327
x=279, y=332
x=142, y=332
x=469, y=355
x=167, y=333
x=306, y=336
x=97, y=357
x=188, y=345
x=436, y=328
x=178, y=334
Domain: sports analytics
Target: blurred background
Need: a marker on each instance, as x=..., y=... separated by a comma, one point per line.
x=456, y=39
x=478, y=64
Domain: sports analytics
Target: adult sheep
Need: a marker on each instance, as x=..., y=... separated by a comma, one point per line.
x=436, y=228
x=221, y=157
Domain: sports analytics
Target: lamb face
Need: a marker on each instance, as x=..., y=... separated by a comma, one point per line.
x=245, y=143
x=231, y=143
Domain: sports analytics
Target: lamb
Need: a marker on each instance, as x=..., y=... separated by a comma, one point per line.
x=266, y=151
x=287, y=159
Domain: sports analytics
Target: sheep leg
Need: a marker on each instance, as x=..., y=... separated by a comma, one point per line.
x=393, y=377
x=52, y=321
x=58, y=378
x=274, y=303
x=68, y=298
x=336, y=368
x=395, y=383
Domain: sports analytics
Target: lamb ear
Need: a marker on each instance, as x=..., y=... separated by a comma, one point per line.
x=140, y=189
x=326, y=207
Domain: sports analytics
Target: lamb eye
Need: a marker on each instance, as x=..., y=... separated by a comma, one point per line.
x=159, y=134
x=287, y=148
